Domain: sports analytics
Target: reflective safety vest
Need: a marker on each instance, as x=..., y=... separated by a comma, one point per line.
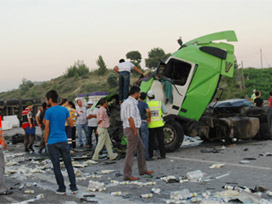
x=156, y=114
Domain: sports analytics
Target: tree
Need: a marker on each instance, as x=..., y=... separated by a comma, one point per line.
x=102, y=68
x=155, y=56
x=25, y=85
x=78, y=69
x=134, y=56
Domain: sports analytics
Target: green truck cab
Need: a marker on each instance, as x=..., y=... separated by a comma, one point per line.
x=194, y=72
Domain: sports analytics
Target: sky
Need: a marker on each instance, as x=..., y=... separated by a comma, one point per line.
x=40, y=39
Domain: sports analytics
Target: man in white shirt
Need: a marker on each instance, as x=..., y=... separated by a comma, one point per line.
x=131, y=118
x=124, y=69
x=92, y=122
x=81, y=123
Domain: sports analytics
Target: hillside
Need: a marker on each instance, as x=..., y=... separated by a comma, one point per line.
x=66, y=87
x=70, y=87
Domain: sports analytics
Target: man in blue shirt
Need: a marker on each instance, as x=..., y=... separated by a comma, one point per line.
x=145, y=117
x=56, y=140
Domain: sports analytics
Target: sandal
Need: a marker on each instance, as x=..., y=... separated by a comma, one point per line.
x=7, y=192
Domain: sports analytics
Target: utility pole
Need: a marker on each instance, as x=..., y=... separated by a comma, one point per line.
x=261, y=55
x=243, y=77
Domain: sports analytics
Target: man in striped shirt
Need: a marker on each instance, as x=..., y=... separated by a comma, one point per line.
x=131, y=118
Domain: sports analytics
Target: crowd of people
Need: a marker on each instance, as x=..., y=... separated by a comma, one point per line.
x=59, y=122
x=257, y=100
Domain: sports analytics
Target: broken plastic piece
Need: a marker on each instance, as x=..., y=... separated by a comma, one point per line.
x=195, y=176
x=216, y=166
x=148, y=195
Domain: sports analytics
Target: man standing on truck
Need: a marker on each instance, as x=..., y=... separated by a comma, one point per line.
x=157, y=108
x=124, y=69
x=131, y=119
x=29, y=127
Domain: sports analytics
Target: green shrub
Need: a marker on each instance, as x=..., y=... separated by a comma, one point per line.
x=78, y=69
x=112, y=80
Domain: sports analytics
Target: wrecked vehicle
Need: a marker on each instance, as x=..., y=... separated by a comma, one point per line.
x=238, y=118
x=194, y=72
x=187, y=83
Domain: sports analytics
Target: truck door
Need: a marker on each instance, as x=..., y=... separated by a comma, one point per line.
x=179, y=74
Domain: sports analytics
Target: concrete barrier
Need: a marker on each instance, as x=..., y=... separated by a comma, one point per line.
x=6, y=125
x=13, y=120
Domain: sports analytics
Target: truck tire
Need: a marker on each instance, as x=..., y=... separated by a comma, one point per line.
x=173, y=135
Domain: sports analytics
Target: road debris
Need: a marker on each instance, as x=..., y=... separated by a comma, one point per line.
x=107, y=171
x=148, y=195
x=169, y=179
x=195, y=176
x=216, y=166
x=117, y=193
x=96, y=186
x=155, y=190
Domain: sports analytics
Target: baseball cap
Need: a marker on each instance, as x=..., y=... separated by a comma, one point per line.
x=150, y=93
x=29, y=103
x=90, y=102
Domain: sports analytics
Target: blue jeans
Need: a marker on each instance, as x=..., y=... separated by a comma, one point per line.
x=79, y=133
x=124, y=81
x=144, y=133
x=54, y=151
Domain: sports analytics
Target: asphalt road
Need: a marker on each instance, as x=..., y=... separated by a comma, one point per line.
x=193, y=155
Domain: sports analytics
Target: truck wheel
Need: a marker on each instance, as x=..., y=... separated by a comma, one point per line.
x=173, y=135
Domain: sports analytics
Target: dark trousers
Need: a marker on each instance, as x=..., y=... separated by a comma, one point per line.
x=68, y=131
x=124, y=81
x=91, y=131
x=156, y=133
x=29, y=140
x=74, y=137
x=55, y=151
x=42, y=142
x=134, y=143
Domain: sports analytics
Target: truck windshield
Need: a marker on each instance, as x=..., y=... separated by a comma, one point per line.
x=178, y=71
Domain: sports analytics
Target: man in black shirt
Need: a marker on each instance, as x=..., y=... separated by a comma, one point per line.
x=258, y=101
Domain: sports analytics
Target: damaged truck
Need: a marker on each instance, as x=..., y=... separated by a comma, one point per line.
x=187, y=83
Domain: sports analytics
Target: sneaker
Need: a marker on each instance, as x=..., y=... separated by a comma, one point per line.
x=117, y=157
x=81, y=145
x=60, y=192
x=75, y=191
x=31, y=148
x=162, y=157
x=26, y=149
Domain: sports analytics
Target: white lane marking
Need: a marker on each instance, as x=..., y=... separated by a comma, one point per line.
x=216, y=162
